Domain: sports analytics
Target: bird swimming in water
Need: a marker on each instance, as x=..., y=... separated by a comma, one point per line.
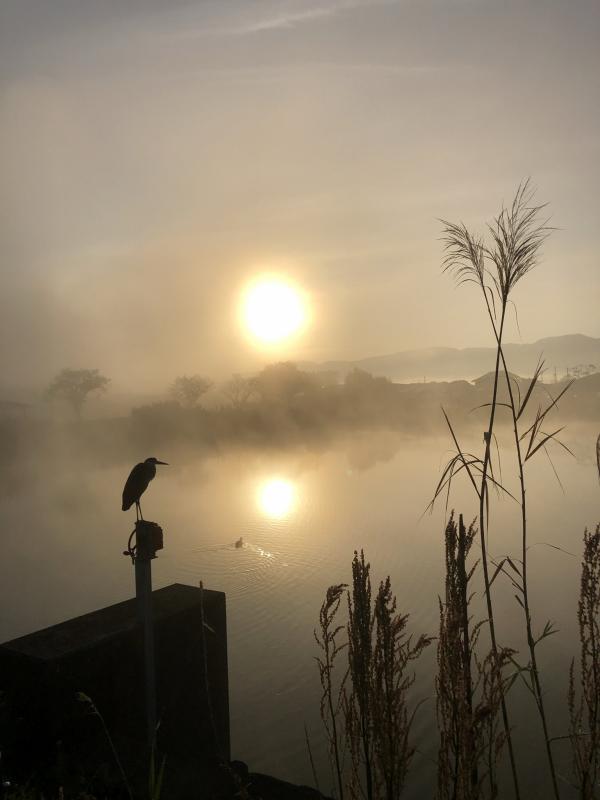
x=137, y=483
x=240, y=542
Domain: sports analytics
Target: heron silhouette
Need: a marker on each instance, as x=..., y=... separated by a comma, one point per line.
x=137, y=483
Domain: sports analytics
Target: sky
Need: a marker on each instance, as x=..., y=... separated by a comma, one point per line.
x=156, y=156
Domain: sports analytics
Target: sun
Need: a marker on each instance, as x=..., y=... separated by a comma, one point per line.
x=277, y=498
x=273, y=310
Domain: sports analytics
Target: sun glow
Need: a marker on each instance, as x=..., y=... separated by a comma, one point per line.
x=277, y=498
x=273, y=310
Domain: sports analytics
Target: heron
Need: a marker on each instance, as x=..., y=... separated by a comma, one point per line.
x=137, y=483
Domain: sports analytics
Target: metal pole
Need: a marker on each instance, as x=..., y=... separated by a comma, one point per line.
x=148, y=539
x=143, y=592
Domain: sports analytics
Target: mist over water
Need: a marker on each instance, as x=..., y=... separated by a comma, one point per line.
x=301, y=512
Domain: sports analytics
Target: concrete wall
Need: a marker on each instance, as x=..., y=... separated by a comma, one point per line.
x=44, y=727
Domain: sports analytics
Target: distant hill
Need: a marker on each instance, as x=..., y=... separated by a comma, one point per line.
x=449, y=363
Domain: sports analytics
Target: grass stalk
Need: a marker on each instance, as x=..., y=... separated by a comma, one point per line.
x=394, y=650
x=91, y=707
x=360, y=660
x=585, y=712
x=469, y=690
x=457, y=761
x=372, y=699
x=311, y=759
x=330, y=648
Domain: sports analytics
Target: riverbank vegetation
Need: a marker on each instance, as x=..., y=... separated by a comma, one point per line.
x=476, y=673
x=294, y=409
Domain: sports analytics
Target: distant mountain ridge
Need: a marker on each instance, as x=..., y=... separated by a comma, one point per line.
x=449, y=363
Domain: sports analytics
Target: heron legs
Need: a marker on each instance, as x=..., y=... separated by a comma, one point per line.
x=138, y=511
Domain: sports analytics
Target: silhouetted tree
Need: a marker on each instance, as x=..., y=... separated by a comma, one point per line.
x=188, y=389
x=360, y=380
x=238, y=390
x=283, y=381
x=75, y=385
x=370, y=396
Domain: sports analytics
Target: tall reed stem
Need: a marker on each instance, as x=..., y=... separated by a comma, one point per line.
x=482, y=529
x=517, y=234
x=536, y=682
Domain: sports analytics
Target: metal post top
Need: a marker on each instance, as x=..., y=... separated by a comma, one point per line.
x=148, y=539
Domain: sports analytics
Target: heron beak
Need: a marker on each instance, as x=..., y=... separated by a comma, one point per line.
x=164, y=463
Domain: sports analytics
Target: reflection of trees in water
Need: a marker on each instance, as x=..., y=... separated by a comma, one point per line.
x=376, y=447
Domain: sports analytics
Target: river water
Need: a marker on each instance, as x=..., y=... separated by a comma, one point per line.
x=300, y=513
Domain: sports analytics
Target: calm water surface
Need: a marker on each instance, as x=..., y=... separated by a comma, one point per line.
x=300, y=513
